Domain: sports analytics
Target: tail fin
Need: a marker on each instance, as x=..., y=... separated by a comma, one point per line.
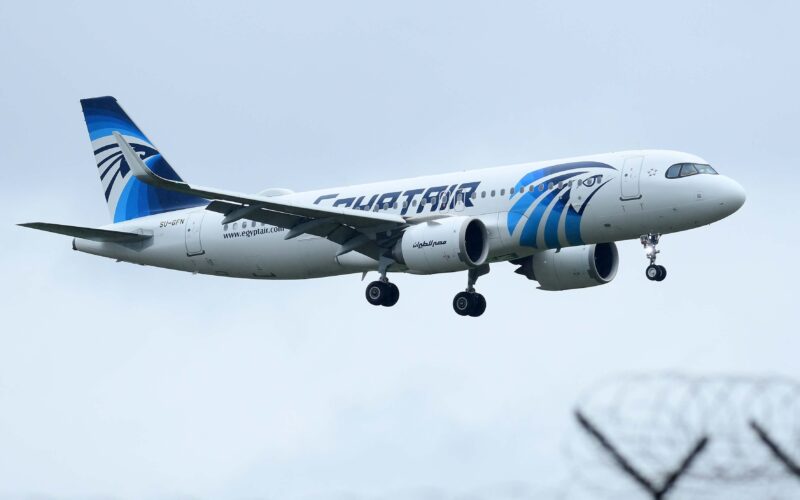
x=128, y=197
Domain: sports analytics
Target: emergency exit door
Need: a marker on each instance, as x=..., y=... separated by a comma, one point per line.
x=194, y=245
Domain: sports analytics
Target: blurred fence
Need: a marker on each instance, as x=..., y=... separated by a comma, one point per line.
x=687, y=437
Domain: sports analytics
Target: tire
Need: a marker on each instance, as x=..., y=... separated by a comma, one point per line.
x=392, y=296
x=652, y=272
x=462, y=303
x=478, y=305
x=376, y=293
x=662, y=273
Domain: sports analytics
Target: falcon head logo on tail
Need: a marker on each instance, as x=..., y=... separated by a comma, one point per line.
x=127, y=197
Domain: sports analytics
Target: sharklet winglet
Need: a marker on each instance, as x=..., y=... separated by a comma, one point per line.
x=140, y=169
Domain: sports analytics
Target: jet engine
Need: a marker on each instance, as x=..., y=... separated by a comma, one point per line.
x=571, y=267
x=443, y=245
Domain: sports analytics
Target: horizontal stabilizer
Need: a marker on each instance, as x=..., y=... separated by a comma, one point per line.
x=89, y=233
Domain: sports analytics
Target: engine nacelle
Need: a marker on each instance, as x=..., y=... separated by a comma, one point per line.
x=443, y=245
x=572, y=267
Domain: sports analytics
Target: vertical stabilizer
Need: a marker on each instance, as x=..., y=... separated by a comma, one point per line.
x=128, y=197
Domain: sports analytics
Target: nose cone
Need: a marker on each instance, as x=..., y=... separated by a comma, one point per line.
x=732, y=195
x=735, y=195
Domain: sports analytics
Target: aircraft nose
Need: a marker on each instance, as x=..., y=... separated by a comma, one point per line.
x=733, y=195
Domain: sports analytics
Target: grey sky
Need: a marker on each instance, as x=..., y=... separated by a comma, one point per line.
x=132, y=382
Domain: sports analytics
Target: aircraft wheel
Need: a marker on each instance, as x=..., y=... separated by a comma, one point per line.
x=377, y=293
x=462, y=303
x=393, y=296
x=652, y=272
x=478, y=305
x=662, y=273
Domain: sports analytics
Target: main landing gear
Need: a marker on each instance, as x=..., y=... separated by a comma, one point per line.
x=466, y=303
x=381, y=292
x=470, y=302
x=653, y=272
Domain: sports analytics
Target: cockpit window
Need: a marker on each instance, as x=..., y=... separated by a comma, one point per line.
x=687, y=169
x=705, y=169
x=674, y=171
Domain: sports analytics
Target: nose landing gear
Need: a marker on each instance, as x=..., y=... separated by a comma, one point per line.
x=470, y=302
x=653, y=272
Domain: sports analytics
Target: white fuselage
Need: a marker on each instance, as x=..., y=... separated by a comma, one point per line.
x=600, y=198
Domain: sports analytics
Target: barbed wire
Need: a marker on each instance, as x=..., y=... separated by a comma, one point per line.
x=653, y=421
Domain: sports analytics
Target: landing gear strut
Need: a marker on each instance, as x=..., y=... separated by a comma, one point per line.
x=470, y=302
x=653, y=272
x=381, y=292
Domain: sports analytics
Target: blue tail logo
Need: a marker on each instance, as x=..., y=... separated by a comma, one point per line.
x=554, y=200
x=110, y=161
x=128, y=197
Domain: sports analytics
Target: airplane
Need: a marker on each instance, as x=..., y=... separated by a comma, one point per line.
x=558, y=220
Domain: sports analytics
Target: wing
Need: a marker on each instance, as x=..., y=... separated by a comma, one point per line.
x=370, y=233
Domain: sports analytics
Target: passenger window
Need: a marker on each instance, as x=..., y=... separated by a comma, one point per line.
x=492, y=193
x=541, y=187
x=244, y=225
x=235, y=225
x=225, y=227
x=550, y=186
x=502, y=192
x=414, y=203
x=483, y=194
x=474, y=195
x=688, y=169
x=511, y=191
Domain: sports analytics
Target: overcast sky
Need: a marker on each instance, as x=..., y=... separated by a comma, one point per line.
x=130, y=382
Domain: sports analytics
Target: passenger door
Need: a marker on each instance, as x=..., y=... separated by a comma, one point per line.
x=629, y=187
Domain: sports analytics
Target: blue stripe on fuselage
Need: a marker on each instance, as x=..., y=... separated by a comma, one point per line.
x=551, y=226
x=523, y=204
x=531, y=229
